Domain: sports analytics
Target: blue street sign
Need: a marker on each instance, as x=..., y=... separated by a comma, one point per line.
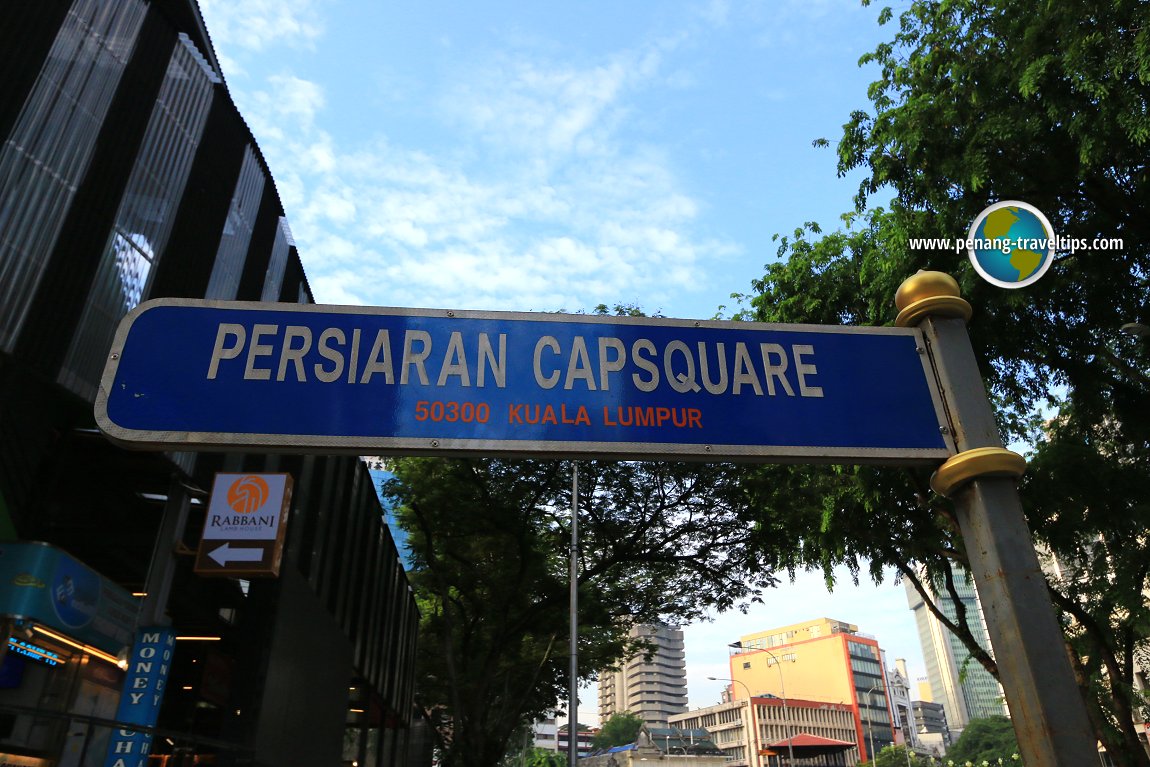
x=306, y=378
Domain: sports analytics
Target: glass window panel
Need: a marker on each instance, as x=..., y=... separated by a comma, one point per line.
x=146, y=213
x=50, y=148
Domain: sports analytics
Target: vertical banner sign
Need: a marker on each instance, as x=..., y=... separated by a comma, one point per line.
x=140, y=699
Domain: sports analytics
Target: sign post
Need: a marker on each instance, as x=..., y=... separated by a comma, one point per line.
x=302, y=378
x=1046, y=706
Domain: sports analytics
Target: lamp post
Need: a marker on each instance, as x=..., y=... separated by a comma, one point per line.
x=786, y=710
x=573, y=666
x=869, y=723
x=751, y=706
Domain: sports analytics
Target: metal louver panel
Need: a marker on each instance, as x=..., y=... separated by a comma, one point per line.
x=50, y=148
x=277, y=264
x=233, y=251
x=144, y=219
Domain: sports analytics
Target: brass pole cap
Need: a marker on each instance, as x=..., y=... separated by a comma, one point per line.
x=929, y=293
x=974, y=464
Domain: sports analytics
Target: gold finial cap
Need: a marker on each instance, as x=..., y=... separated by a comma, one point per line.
x=972, y=464
x=929, y=293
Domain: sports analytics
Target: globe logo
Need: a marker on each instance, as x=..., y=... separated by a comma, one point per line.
x=1011, y=244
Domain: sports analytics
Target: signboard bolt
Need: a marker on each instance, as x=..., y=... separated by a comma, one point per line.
x=920, y=350
x=707, y=448
x=944, y=430
x=115, y=356
x=435, y=443
x=450, y=313
x=697, y=323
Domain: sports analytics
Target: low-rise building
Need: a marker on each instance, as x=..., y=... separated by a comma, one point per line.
x=810, y=729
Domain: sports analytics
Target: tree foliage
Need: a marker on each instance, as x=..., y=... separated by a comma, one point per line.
x=975, y=103
x=490, y=541
x=988, y=739
x=533, y=756
x=620, y=730
x=897, y=756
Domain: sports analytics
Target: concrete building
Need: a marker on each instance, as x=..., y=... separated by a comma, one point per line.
x=964, y=688
x=584, y=737
x=127, y=174
x=545, y=733
x=818, y=733
x=820, y=660
x=651, y=684
x=900, y=703
x=931, y=729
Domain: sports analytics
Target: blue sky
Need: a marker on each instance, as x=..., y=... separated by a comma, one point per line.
x=529, y=156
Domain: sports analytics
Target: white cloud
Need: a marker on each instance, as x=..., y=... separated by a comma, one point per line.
x=288, y=102
x=259, y=24
x=541, y=196
x=542, y=108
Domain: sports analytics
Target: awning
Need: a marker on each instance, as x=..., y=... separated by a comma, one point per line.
x=806, y=745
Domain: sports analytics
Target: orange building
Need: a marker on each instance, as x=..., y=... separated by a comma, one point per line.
x=819, y=660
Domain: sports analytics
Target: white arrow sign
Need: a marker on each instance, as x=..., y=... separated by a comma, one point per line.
x=224, y=554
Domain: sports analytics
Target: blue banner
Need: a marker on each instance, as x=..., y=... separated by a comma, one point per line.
x=143, y=691
x=198, y=373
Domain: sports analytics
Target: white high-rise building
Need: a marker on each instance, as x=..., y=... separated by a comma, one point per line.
x=964, y=688
x=654, y=687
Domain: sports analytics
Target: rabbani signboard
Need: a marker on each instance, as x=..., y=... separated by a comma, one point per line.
x=245, y=525
x=306, y=378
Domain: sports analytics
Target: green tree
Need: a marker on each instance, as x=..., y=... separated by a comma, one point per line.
x=982, y=740
x=543, y=757
x=619, y=730
x=489, y=542
x=897, y=756
x=977, y=102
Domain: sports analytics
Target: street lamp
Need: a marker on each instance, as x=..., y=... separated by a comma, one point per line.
x=786, y=711
x=751, y=705
x=869, y=723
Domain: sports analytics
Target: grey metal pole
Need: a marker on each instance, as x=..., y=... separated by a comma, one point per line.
x=1046, y=706
x=573, y=687
x=869, y=721
x=753, y=730
x=162, y=569
x=786, y=710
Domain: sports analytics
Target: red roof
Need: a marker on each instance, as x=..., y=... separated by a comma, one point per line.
x=813, y=745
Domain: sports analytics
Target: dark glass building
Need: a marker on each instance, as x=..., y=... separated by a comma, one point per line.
x=126, y=173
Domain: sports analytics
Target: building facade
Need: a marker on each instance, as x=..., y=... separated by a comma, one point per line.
x=126, y=173
x=818, y=733
x=822, y=660
x=650, y=684
x=545, y=733
x=931, y=729
x=901, y=706
x=964, y=688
